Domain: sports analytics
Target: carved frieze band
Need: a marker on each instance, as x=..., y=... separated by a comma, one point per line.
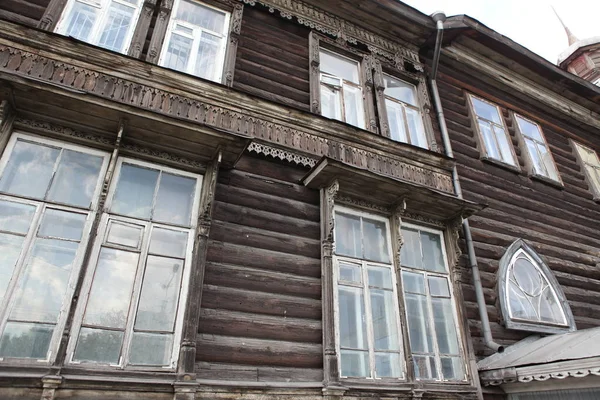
x=281, y=154
x=324, y=22
x=25, y=63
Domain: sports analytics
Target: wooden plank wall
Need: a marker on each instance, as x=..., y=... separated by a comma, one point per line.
x=562, y=225
x=27, y=12
x=261, y=307
x=272, y=58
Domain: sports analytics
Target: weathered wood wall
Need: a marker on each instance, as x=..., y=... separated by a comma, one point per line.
x=272, y=58
x=261, y=308
x=27, y=12
x=561, y=224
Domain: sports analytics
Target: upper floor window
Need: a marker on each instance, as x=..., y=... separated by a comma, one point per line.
x=105, y=23
x=493, y=135
x=340, y=89
x=530, y=296
x=196, y=40
x=404, y=113
x=538, y=152
x=591, y=167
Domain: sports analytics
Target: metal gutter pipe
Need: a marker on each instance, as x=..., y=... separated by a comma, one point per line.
x=439, y=18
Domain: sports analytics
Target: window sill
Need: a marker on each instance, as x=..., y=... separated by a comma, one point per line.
x=546, y=180
x=397, y=385
x=501, y=164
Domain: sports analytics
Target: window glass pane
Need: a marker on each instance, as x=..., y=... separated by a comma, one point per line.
x=375, y=240
x=15, y=217
x=109, y=298
x=550, y=310
x=207, y=59
x=527, y=276
x=43, y=285
x=353, y=106
x=76, y=179
x=396, y=121
x=347, y=235
x=400, y=90
x=489, y=140
x=530, y=130
x=339, y=66
x=415, y=128
x=331, y=103
x=410, y=254
x=62, y=224
x=117, y=25
x=438, y=286
x=10, y=249
x=355, y=363
x=157, y=307
x=135, y=191
x=418, y=323
x=413, y=282
x=433, y=258
x=168, y=242
x=150, y=349
x=445, y=328
x=178, y=53
x=486, y=110
x=387, y=365
x=385, y=328
x=81, y=21
x=174, y=199
x=452, y=368
x=26, y=340
x=350, y=272
x=520, y=307
x=548, y=162
x=594, y=174
x=200, y=15
x=353, y=332
x=98, y=345
x=29, y=170
x=425, y=367
x=380, y=277
x=330, y=80
x=124, y=234
x=535, y=157
x=588, y=155
x=505, y=145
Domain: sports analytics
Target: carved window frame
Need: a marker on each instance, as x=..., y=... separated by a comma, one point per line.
x=520, y=248
x=397, y=70
x=316, y=43
x=588, y=169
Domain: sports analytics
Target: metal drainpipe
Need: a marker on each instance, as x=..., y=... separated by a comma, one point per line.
x=439, y=18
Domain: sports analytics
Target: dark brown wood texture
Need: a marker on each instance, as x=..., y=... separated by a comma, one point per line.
x=561, y=224
x=272, y=58
x=27, y=12
x=261, y=307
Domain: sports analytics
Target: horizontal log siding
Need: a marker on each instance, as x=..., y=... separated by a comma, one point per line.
x=261, y=302
x=272, y=58
x=562, y=225
x=27, y=12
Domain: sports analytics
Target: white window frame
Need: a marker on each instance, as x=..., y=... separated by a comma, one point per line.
x=426, y=274
x=42, y=205
x=143, y=251
x=589, y=169
x=544, y=143
x=103, y=6
x=196, y=36
x=340, y=87
x=513, y=162
x=367, y=301
x=403, y=105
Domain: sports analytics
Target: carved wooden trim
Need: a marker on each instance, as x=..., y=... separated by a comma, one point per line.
x=52, y=14
x=141, y=29
x=260, y=148
x=368, y=85
x=235, y=29
x=187, y=352
x=235, y=121
x=159, y=31
x=7, y=118
x=315, y=66
x=420, y=219
x=362, y=204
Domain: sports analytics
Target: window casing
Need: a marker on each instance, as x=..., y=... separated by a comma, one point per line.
x=405, y=119
x=49, y=199
x=591, y=167
x=341, y=92
x=542, y=163
x=493, y=135
x=196, y=40
x=431, y=311
x=105, y=23
x=132, y=299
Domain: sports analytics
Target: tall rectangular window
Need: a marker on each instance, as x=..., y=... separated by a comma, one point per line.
x=196, y=40
x=430, y=309
x=49, y=192
x=367, y=314
x=105, y=23
x=404, y=112
x=537, y=148
x=591, y=167
x=340, y=87
x=493, y=134
x=131, y=308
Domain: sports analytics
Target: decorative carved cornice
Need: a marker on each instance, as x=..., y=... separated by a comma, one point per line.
x=281, y=154
x=353, y=202
x=428, y=221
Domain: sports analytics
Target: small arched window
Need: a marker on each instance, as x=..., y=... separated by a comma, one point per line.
x=530, y=297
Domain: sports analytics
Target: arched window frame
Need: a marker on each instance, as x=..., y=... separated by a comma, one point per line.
x=520, y=246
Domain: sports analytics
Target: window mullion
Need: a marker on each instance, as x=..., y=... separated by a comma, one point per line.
x=369, y=318
x=102, y=15
x=438, y=361
x=405, y=123
x=54, y=169
x=194, y=50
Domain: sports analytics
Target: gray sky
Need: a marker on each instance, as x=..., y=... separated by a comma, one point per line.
x=531, y=23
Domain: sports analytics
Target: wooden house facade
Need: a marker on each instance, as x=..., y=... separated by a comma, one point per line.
x=222, y=199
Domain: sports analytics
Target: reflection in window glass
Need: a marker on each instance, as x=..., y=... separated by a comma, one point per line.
x=404, y=112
